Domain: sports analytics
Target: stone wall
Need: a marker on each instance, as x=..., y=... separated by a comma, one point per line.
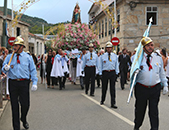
x=135, y=25
x=24, y=30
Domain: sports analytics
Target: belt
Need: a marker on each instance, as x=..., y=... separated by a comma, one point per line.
x=147, y=86
x=108, y=70
x=89, y=66
x=18, y=79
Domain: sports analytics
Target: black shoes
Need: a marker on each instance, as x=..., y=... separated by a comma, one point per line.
x=92, y=95
x=26, y=125
x=113, y=106
x=86, y=92
x=82, y=87
x=101, y=103
x=122, y=87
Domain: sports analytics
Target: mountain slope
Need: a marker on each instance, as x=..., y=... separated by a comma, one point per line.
x=34, y=22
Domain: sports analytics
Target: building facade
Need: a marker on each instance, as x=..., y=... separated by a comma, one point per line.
x=20, y=29
x=132, y=20
x=36, y=44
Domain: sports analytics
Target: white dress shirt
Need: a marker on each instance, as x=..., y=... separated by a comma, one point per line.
x=155, y=75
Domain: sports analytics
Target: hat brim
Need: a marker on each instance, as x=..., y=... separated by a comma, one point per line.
x=109, y=46
x=19, y=44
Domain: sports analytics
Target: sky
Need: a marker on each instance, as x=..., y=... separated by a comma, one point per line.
x=54, y=11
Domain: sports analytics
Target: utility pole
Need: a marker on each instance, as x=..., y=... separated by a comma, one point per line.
x=12, y=20
x=4, y=35
x=115, y=19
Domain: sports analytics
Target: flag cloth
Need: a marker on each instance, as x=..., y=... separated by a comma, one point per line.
x=138, y=56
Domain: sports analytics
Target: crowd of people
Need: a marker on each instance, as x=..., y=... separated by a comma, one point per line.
x=103, y=66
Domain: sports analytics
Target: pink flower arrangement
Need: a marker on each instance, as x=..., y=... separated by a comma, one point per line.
x=76, y=36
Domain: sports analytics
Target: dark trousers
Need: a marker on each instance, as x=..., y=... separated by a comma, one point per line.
x=54, y=81
x=90, y=74
x=147, y=96
x=62, y=80
x=48, y=78
x=82, y=81
x=98, y=80
x=19, y=93
x=108, y=76
x=123, y=78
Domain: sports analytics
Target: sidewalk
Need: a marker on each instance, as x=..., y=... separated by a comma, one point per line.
x=5, y=102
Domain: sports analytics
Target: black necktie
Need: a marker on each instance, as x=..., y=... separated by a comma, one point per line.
x=91, y=55
x=108, y=56
x=18, y=61
x=148, y=60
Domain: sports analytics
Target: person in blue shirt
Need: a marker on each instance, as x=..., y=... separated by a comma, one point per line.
x=20, y=70
x=148, y=85
x=90, y=62
x=109, y=68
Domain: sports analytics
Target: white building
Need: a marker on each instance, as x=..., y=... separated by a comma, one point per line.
x=36, y=44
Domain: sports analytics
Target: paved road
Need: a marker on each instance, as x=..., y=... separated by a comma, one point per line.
x=71, y=109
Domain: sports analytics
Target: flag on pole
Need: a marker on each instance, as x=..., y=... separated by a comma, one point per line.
x=139, y=55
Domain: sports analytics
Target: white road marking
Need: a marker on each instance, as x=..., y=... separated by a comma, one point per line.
x=110, y=110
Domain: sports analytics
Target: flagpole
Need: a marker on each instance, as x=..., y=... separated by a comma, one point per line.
x=132, y=86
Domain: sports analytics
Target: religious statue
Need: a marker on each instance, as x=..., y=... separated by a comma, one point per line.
x=76, y=14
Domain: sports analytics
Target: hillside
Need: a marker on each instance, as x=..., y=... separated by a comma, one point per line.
x=34, y=22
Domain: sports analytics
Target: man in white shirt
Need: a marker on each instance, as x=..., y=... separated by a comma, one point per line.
x=148, y=85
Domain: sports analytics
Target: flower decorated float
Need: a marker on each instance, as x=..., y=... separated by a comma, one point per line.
x=75, y=35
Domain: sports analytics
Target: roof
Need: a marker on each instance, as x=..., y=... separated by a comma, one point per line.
x=33, y=35
x=9, y=17
x=91, y=7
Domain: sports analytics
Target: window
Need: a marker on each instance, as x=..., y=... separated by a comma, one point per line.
x=102, y=28
x=18, y=33
x=37, y=48
x=151, y=12
x=105, y=27
x=32, y=49
x=95, y=28
x=110, y=26
x=99, y=30
x=40, y=48
x=118, y=20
